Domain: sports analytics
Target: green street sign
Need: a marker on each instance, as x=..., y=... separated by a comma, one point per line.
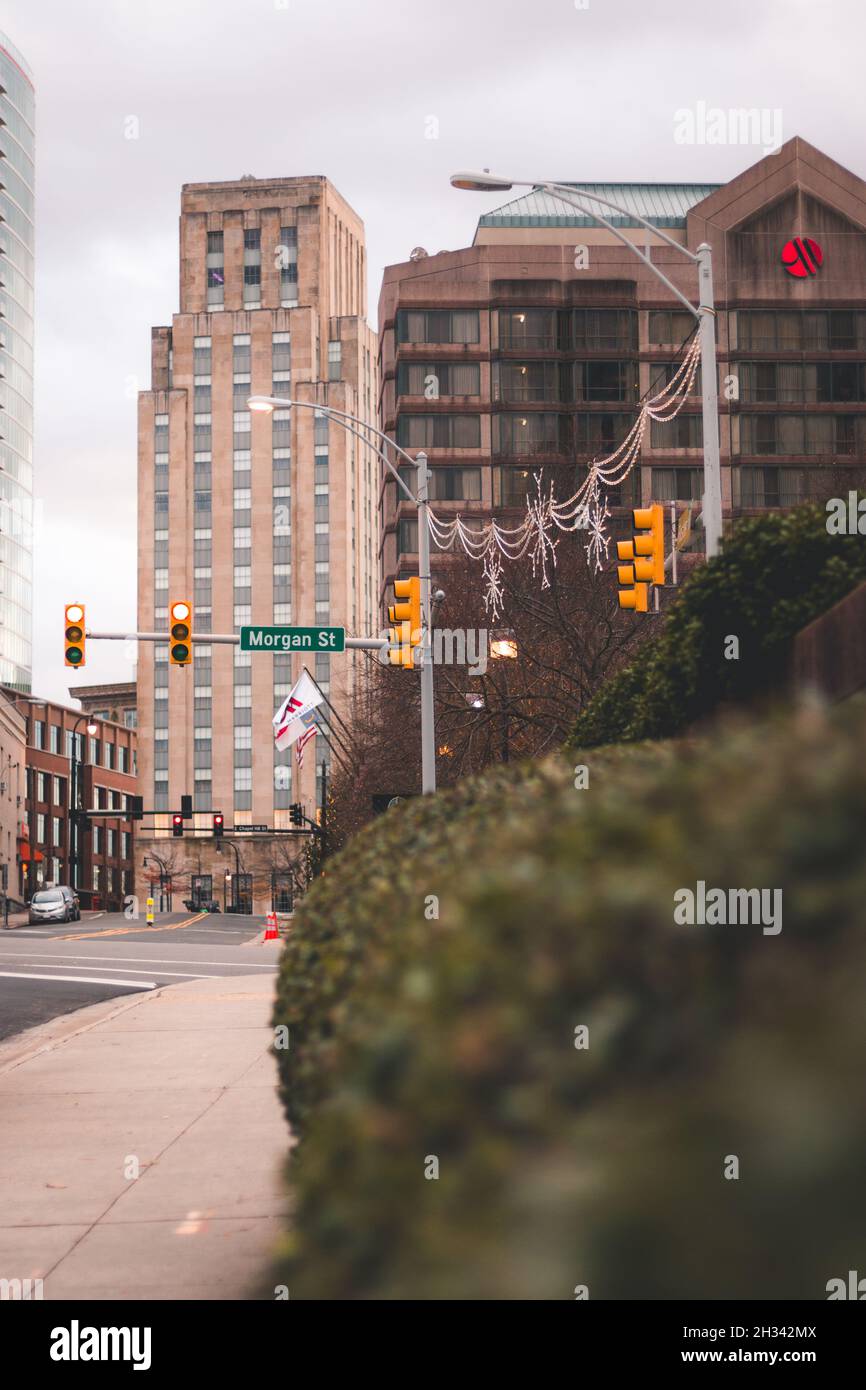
x=293, y=639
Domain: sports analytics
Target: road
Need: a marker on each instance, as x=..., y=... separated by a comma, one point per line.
x=46, y=971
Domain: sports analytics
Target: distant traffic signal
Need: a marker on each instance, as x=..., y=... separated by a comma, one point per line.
x=186, y=806
x=218, y=824
x=180, y=647
x=73, y=634
x=646, y=557
x=136, y=808
x=406, y=633
x=177, y=824
x=296, y=813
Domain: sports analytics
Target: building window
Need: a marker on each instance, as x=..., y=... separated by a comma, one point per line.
x=215, y=269
x=523, y=436
x=447, y=484
x=288, y=263
x=769, y=487
x=670, y=327
x=439, y=431
x=437, y=326
x=677, y=484
x=335, y=349
x=407, y=536
x=436, y=379
x=683, y=432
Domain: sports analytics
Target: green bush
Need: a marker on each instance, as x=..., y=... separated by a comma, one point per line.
x=416, y=1037
x=775, y=574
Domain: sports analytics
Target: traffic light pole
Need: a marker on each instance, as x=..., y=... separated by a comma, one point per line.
x=428, y=718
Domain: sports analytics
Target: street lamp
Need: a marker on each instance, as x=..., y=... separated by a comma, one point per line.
x=485, y=182
x=350, y=423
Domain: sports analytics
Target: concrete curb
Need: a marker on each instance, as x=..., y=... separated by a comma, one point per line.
x=46, y=1036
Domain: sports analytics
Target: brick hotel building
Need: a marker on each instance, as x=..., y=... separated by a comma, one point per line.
x=251, y=517
x=541, y=365
x=52, y=735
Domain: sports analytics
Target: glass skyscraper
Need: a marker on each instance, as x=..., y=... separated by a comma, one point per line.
x=17, y=140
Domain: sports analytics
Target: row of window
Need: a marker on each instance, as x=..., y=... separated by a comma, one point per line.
x=564, y=330
x=544, y=432
x=285, y=255
x=52, y=738
x=781, y=382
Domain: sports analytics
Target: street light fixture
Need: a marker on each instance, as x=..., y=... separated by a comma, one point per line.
x=369, y=434
x=485, y=182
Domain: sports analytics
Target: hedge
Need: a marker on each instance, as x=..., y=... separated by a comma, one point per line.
x=418, y=1039
x=774, y=575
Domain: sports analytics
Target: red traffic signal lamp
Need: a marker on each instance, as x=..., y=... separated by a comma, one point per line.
x=645, y=555
x=218, y=825
x=180, y=646
x=73, y=634
x=177, y=824
x=405, y=635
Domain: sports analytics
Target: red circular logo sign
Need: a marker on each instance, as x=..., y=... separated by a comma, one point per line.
x=802, y=256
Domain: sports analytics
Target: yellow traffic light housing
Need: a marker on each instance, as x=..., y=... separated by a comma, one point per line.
x=406, y=633
x=73, y=634
x=645, y=555
x=649, y=566
x=180, y=646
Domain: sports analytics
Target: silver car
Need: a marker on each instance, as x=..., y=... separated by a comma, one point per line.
x=54, y=905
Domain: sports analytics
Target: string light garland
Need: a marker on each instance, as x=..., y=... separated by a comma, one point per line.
x=586, y=510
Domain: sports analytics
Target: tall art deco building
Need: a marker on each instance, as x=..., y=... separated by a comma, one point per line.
x=252, y=517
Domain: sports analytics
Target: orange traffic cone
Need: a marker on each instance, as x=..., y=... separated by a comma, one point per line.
x=271, y=933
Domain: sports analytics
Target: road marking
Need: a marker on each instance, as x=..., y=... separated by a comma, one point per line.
x=80, y=979
x=152, y=960
x=183, y=974
x=125, y=931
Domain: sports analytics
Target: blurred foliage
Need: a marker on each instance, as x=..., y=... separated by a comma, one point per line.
x=775, y=574
x=454, y=1037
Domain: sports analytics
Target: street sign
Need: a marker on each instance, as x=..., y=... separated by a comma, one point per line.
x=293, y=639
x=256, y=829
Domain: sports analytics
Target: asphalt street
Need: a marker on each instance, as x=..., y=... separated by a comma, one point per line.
x=46, y=971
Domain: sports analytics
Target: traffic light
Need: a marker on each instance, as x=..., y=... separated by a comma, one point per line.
x=186, y=806
x=296, y=813
x=180, y=647
x=218, y=825
x=73, y=634
x=177, y=824
x=646, y=557
x=136, y=808
x=405, y=635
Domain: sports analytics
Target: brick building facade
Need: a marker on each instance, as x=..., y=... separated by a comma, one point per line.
x=61, y=751
x=539, y=356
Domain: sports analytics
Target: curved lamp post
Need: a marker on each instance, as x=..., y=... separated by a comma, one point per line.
x=363, y=431
x=485, y=182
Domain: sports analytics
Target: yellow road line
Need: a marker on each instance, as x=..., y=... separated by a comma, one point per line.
x=125, y=931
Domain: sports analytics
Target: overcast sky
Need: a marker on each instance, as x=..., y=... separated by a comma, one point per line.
x=347, y=88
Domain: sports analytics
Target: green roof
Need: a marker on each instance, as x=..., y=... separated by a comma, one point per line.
x=663, y=204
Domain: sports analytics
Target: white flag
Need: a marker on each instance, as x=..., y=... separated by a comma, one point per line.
x=288, y=719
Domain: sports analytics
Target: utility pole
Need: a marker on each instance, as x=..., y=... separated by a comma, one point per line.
x=428, y=723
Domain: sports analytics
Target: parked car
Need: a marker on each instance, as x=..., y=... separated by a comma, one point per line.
x=58, y=904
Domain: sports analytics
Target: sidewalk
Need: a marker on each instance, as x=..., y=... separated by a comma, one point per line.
x=180, y=1081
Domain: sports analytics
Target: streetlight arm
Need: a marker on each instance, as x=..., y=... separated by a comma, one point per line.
x=562, y=189
x=344, y=418
x=558, y=192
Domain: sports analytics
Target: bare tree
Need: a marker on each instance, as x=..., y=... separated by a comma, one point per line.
x=569, y=636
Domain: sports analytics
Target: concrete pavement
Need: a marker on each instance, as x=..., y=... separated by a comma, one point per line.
x=141, y=1145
